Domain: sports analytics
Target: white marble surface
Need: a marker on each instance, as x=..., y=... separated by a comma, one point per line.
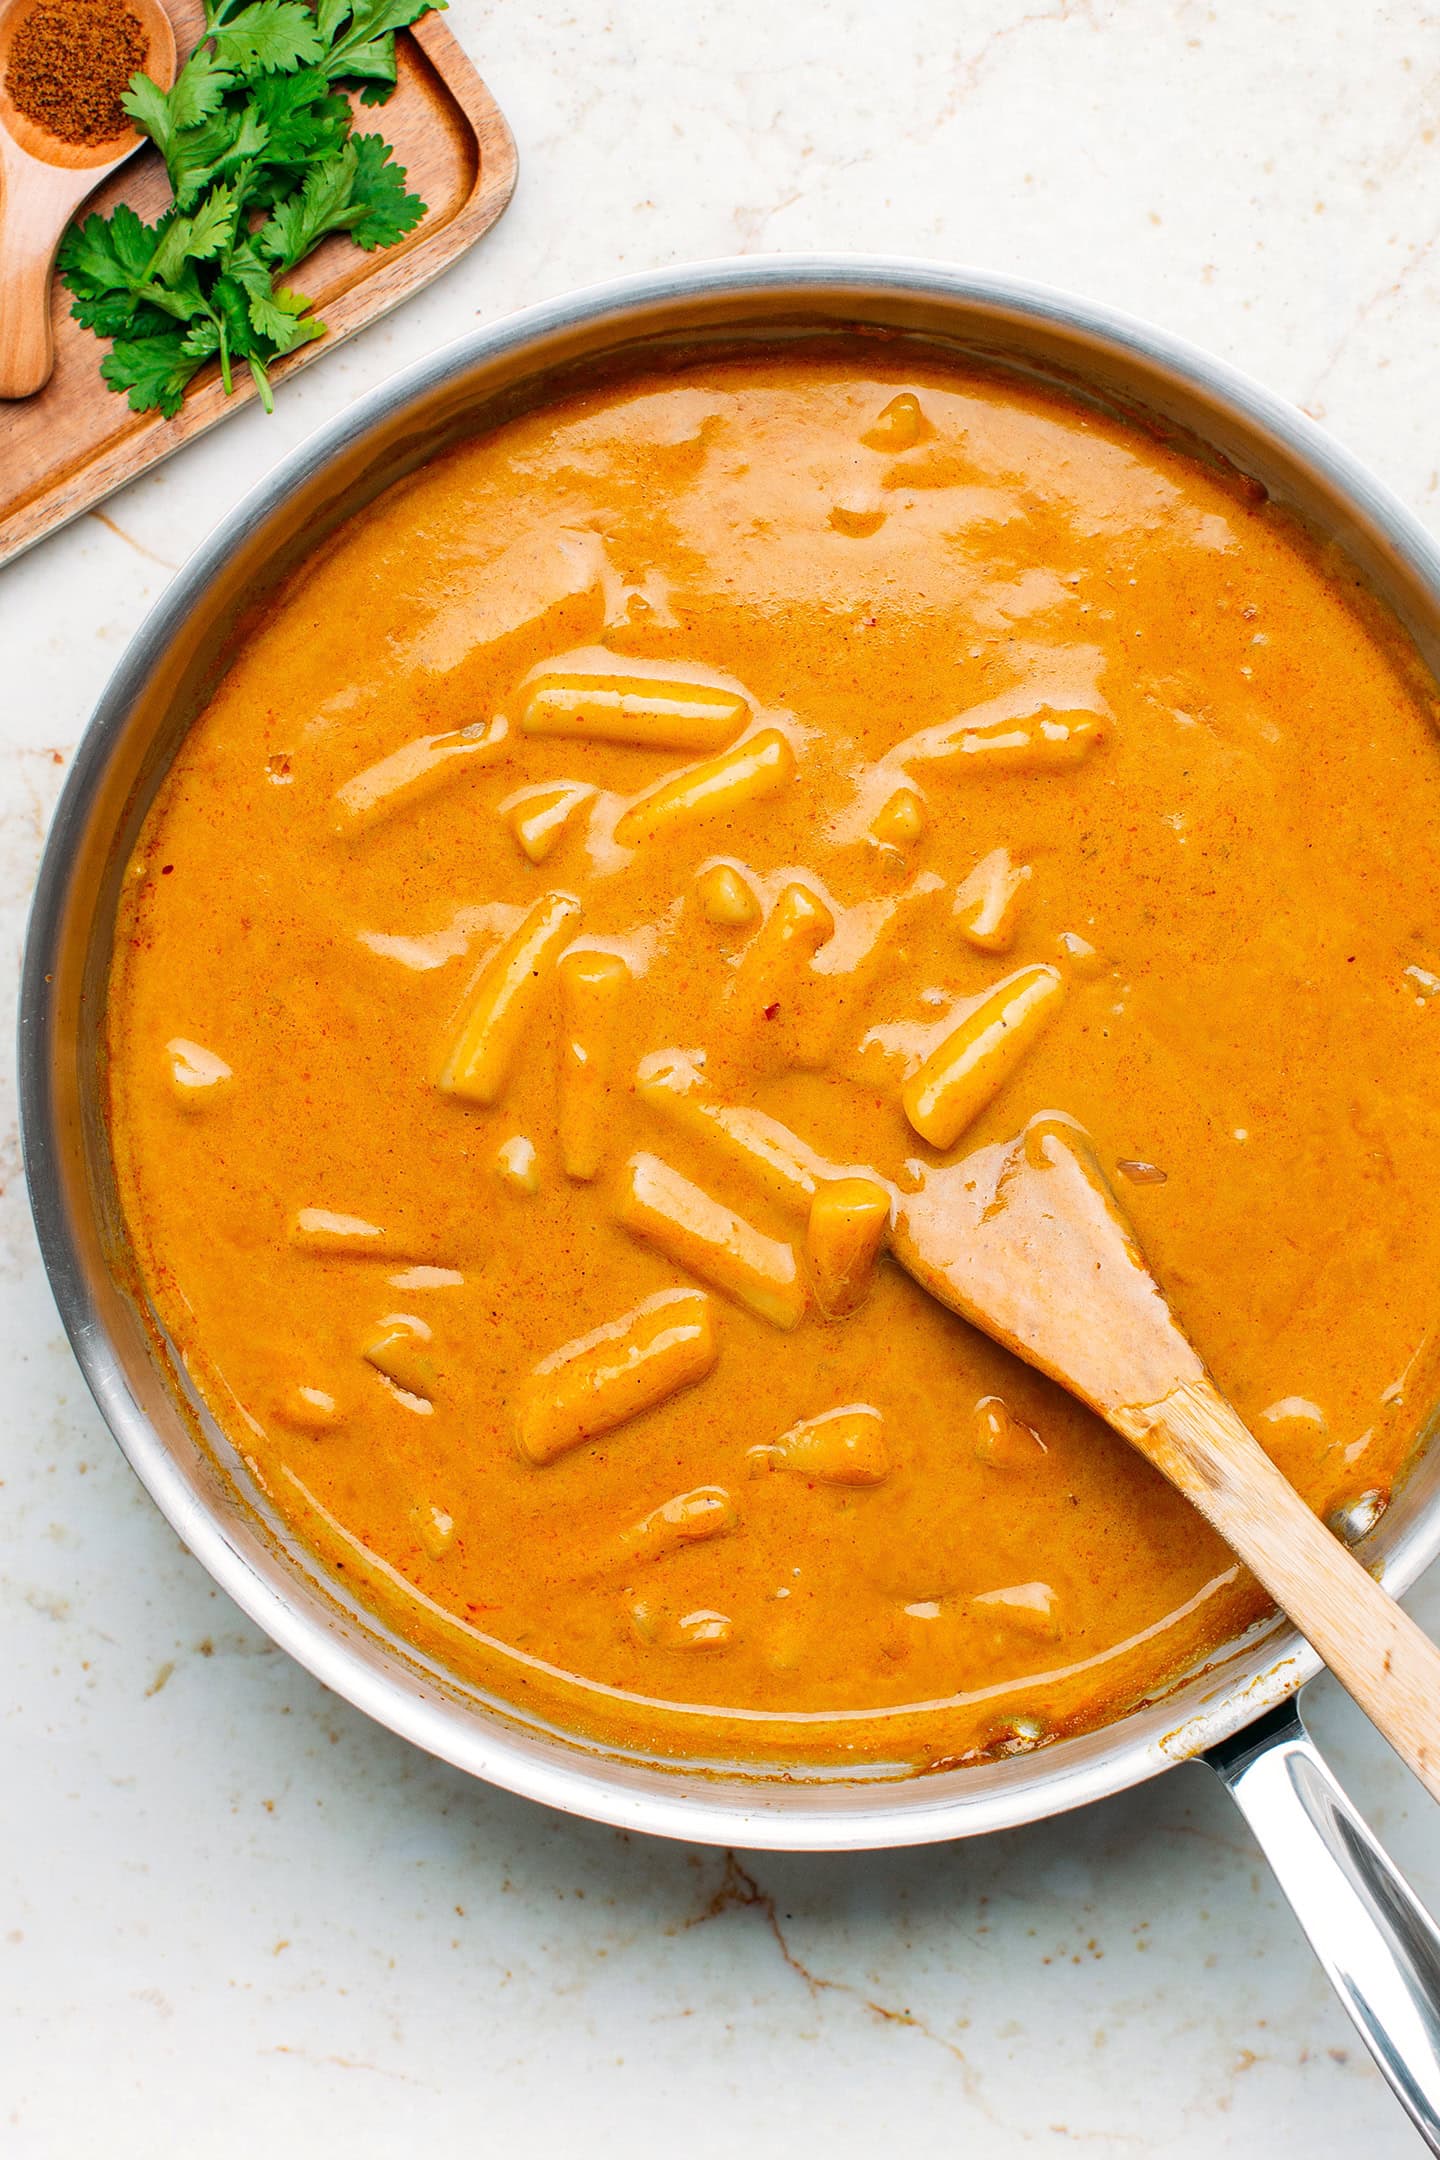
x=237, y=1917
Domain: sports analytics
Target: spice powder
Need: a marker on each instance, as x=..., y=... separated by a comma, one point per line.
x=69, y=62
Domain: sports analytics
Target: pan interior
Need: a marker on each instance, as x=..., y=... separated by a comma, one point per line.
x=203, y=1485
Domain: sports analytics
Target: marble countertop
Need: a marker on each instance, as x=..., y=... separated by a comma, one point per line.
x=237, y=1916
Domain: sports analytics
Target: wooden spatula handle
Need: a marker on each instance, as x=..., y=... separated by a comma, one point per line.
x=29, y=236
x=1375, y=1649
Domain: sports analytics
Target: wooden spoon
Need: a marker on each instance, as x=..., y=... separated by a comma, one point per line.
x=1026, y=1241
x=43, y=182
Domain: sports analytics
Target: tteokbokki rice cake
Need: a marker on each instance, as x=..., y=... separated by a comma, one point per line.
x=617, y=865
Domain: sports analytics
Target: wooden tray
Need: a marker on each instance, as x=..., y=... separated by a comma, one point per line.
x=76, y=441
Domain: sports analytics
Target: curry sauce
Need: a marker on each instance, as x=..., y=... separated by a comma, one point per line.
x=613, y=872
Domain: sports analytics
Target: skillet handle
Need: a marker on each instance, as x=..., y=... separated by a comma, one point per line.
x=1374, y=1938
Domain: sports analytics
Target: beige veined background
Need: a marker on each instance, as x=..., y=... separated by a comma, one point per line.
x=237, y=1917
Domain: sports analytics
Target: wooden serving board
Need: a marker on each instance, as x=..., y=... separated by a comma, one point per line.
x=76, y=441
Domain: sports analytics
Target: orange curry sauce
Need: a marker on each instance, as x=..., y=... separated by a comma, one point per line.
x=573, y=876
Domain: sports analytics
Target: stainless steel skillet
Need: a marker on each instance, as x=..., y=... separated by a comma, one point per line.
x=1380, y=1948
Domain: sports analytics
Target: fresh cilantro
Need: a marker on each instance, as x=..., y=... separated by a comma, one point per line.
x=153, y=370
x=387, y=213
x=106, y=255
x=150, y=109
x=303, y=120
x=215, y=150
x=323, y=205
x=257, y=139
x=269, y=38
x=367, y=46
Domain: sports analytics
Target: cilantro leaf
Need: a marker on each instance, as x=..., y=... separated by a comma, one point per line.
x=151, y=110
x=283, y=317
x=106, y=255
x=152, y=370
x=171, y=249
x=367, y=48
x=304, y=122
x=212, y=224
x=201, y=339
x=199, y=88
x=112, y=315
x=378, y=190
x=379, y=18
x=358, y=190
x=323, y=205
x=189, y=240
x=195, y=155
x=268, y=35
x=214, y=151
x=375, y=58
x=273, y=315
x=233, y=316
x=108, y=314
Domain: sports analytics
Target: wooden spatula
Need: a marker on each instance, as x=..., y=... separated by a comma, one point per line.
x=43, y=182
x=1026, y=1241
